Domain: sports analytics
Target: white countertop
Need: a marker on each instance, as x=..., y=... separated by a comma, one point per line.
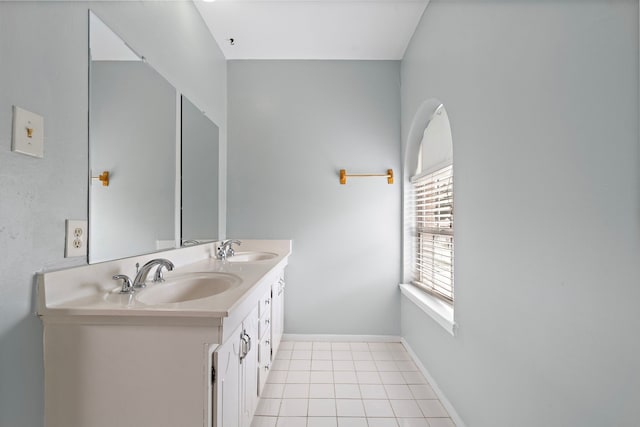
x=91, y=291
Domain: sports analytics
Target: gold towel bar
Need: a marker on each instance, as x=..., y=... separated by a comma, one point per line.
x=343, y=175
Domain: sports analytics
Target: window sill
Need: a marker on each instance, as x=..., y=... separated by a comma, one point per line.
x=437, y=309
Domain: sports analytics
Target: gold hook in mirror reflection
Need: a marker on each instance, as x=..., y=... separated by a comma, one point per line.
x=103, y=177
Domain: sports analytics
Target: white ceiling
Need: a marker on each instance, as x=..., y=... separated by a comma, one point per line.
x=312, y=29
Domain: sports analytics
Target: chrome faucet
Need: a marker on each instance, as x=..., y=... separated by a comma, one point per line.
x=142, y=274
x=225, y=250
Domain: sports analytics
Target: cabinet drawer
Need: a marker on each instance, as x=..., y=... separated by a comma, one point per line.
x=264, y=304
x=263, y=326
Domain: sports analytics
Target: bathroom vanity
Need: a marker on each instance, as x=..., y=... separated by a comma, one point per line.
x=193, y=350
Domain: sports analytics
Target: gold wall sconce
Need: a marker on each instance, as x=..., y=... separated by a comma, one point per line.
x=344, y=175
x=103, y=177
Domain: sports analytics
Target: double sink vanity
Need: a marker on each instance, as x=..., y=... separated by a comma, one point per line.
x=192, y=349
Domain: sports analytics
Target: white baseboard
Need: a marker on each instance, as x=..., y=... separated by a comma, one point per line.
x=443, y=399
x=341, y=338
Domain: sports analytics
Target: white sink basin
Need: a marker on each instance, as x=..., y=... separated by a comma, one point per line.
x=188, y=287
x=251, y=256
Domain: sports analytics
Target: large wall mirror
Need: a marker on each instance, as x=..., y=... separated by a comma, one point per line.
x=160, y=150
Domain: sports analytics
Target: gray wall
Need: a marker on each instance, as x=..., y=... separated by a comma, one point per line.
x=133, y=136
x=543, y=102
x=44, y=69
x=292, y=126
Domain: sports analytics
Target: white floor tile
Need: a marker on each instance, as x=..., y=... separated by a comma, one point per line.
x=341, y=355
x=273, y=391
x=441, y=422
x=321, y=377
x=362, y=355
x=349, y=408
x=379, y=346
x=414, y=377
x=377, y=408
x=359, y=346
x=322, y=391
x=382, y=422
x=321, y=365
x=321, y=345
x=406, y=365
x=301, y=354
x=340, y=346
x=277, y=376
x=268, y=407
x=321, y=354
x=352, y=422
x=322, y=422
x=392, y=378
x=296, y=391
x=293, y=408
x=365, y=365
x=300, y=365
x=347, y=391
x=396, y=347
x=298, y=377
x=422, y=391
x=386, y=365
x=405, y=408
x=398, y=391
x=322, y=408
x=373, y=391
x=366, y=377
x=343, y=365
x=345, y=377
x=432, y=408
x=412, y=422
x=292, y=422
x=303, y=345
x=284, y=354
x=382, y=355
x=259, y=421
x=280, y=365
x=400, y=355
x=347, y=384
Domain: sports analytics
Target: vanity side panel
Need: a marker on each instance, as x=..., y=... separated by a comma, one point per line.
x=107, y=375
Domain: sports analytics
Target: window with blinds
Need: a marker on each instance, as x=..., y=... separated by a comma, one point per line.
x=433, y=201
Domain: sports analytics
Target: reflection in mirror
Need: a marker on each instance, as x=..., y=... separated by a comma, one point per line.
x=199, y=176
x=132, y=135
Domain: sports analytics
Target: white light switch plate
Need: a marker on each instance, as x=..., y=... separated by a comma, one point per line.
x=76, y=241
x=21, y=142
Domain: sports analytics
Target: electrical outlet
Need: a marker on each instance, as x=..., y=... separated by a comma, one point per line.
x=76, y=242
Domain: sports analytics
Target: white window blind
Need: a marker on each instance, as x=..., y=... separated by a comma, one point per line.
x=433, y=201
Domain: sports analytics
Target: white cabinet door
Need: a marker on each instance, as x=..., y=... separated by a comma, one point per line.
x=226, y=390
x=249, y=369
x=264, y=360
x=277, y=314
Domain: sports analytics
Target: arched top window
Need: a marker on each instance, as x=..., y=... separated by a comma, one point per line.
x=430, y=202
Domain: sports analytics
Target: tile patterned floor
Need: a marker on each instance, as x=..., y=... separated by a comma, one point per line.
x=341, y=384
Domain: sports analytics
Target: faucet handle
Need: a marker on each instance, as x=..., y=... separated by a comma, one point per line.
x=127, y=286
x=158, y=277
